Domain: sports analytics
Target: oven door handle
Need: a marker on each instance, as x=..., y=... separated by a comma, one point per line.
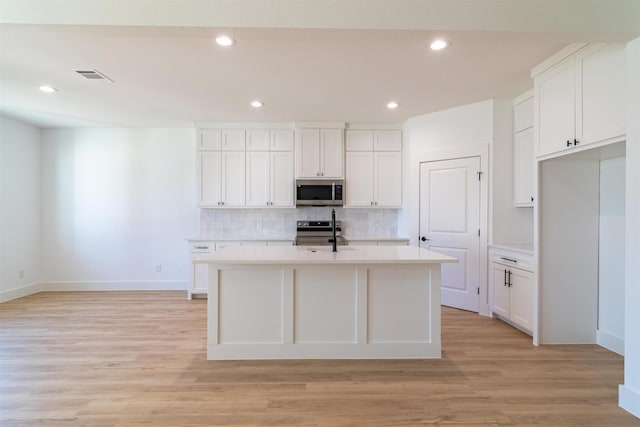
x=333, y=191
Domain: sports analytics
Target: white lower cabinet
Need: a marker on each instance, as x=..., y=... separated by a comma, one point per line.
x=511, y=278
x=199, y=274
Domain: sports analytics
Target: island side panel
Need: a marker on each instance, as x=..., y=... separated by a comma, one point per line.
x=324, y=311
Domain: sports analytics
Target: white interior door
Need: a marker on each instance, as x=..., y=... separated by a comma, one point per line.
x=450, y=224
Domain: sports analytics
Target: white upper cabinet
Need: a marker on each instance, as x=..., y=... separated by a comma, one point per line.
x=359, y=140
x=281, y=140
x=387, y=140
x=373, y=168
x=210, y=182
x=387, y=173
x=281, y=179
x=210, y=139
x=523, y=185
x=319, y=153
x=233, y=178
x=581, y=100
x=270, y=179
x=233, y=140
x=359, y=179
x=257, y=140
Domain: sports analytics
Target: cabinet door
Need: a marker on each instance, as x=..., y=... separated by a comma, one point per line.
x=257, y=178
x=359, y=180
x=200, y=283
x=387, y=176
x=257, y=140
x=521, y=298
x=281, y=178
x=500, y=302
x=332, y=153
x=523, y=115
x=556, y=97
x=233, y=139
x=281, y=140
x=233, y=178
x=210, y=178
x=210, y=139
x=359, y=140
x=308, y=153
x=523, y=168
x=387, y=140
x=603, y=112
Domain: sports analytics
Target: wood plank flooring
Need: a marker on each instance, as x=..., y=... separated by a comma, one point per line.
x=139, y=359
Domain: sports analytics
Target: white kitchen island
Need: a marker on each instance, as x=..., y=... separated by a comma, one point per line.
x=305, y=302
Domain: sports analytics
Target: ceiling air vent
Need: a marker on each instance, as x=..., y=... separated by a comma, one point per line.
x=93, y=75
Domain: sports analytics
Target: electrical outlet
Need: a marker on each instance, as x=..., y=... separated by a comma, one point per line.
x=158, y=268
x=21, y=274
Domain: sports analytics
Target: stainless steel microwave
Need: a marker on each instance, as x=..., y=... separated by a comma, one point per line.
x=319, y=192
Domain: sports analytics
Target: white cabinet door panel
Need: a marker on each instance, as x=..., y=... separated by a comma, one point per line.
x=388, y=179
x=233, y=178
x=359, y=179
x=603, y=94
x=359, y=140
x=257, y=178
x=500, y=302
x=210, y=139
x=233, y=139
x=521, y=298
x=387, y=140
x=210, y=178
x=257, y=140
x=332, y=153
x=308, y=153
x=556, y=93
x=281, y=140
x=523, y=168
x=281, y=178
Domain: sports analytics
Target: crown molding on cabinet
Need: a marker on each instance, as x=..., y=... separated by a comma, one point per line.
x=523, y=97
x=377, y=126
x=557, y=57
x=245, y=125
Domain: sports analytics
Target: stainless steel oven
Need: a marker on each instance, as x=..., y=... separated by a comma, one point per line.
x=319, y=192
x=318, y=233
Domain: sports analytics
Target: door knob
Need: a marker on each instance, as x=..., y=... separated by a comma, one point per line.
x=424, y=239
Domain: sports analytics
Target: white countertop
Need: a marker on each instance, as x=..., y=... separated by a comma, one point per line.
x=324, y=255
x=240, y=239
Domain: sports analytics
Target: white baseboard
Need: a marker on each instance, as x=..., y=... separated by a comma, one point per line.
x=629, y=399
x=20, y=292
x=610, y=342
x=166, y=285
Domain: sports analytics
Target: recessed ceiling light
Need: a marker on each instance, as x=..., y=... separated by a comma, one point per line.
x=257, y=104
x=392, y=105
x=439, y=44
x=48, y=89
x=225, y=41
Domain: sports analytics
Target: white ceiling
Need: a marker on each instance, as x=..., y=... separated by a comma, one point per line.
x=308, y=61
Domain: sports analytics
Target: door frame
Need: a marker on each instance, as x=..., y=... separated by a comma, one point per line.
x=477, y=150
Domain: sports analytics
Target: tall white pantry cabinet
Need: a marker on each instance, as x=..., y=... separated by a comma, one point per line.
x=579, y=122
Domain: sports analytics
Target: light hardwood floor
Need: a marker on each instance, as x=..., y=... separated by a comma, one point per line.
x=138, y=359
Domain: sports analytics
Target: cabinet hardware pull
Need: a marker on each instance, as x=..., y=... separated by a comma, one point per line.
x=510, y=278
x=532, y=198
x=575, y=142
x=508, y=259
x=505, y=277
x=568, y=143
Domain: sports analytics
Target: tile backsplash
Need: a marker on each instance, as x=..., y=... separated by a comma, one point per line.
x=281, y=223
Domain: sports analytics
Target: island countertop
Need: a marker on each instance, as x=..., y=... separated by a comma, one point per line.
x=324, y=255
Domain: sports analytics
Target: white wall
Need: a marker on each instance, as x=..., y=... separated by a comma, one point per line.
x=629, y=397
x=117, y=203
x=480, y=124
x=19, y=208
x=611, y=263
